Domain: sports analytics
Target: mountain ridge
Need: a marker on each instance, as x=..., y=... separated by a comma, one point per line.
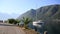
x=42, y=13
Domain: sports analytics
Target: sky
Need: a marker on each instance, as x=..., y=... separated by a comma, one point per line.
x=14, y=8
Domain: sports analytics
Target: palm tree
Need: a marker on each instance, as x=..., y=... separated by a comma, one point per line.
x=18, y=21
x=26, y=21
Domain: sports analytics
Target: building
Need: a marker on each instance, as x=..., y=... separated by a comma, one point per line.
x=1, y=21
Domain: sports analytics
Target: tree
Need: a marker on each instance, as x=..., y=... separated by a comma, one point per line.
x=53, y=26
x=18, y=21
x=11, y=21
x=26, y=21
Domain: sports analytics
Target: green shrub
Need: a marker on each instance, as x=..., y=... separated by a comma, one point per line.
x=13, y=21
x=26, y=21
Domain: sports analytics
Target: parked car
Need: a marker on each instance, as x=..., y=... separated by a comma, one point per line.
x=38, y=26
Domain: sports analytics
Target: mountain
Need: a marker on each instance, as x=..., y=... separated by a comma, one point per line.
x=30, y=14
x=43, y=13
x=48, y=12
x=5, y=16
